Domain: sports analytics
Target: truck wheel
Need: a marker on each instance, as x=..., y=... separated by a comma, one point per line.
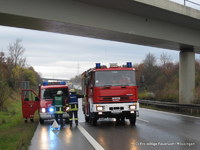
x=41, y=121
x=117, y=120
x=25, y=120
x=94, y=121
x=122, y=119
x=32, y=120
x=133, y=119
x=87, y=119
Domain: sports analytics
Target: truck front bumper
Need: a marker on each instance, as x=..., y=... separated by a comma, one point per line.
x=118, y=109
x=46, y=116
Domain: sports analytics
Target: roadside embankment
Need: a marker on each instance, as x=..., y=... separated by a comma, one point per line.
x=14, y=133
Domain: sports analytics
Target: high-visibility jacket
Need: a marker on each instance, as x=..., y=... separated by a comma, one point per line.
x=58, y=104
x=73, y=99
x=73, y=102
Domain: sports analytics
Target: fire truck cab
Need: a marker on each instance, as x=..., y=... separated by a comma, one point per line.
x=110, y=93
x=43, y=101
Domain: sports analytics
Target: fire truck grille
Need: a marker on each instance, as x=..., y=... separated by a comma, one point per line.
x=116, y=108
x=115, y=98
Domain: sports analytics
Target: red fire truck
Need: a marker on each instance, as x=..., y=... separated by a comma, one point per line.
x=110, y=93
x=43, y=101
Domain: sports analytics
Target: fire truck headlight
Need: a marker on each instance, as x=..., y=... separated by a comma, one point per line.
x=132, y=107
x=43, y=110
x=51, y=109
x=99, y=108
x=67, y=108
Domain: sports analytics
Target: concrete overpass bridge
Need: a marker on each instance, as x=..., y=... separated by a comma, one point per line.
x=162, y=24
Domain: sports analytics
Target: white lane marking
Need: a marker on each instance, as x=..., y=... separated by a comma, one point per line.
x=143, y=120
x=92, y=141
x=171, y=113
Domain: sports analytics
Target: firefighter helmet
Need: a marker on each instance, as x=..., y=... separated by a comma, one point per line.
x=59, y=92
x=72, y=90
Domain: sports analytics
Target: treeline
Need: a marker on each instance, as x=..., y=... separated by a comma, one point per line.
x=162, y=78
x=14, y=73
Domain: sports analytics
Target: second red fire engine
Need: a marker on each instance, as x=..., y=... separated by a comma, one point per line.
x=110, y=93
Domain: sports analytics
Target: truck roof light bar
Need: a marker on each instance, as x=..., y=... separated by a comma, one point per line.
x=45, y=83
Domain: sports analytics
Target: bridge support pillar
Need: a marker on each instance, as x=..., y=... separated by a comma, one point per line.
x=186, y=76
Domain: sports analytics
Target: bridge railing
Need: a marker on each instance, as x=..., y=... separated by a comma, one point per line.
x=192, y=2
x=189, y=3
x=185, y=108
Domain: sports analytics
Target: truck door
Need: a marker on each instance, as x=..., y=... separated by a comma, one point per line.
x=30, y=103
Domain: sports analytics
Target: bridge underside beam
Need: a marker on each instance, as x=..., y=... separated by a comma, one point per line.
x=117, y=20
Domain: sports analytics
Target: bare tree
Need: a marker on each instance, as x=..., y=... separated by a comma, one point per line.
x=150, y=60
x=16, y=51
x=2, y=57
x=165, y=59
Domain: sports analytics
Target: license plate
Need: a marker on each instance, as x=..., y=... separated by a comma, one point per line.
x=116, y=111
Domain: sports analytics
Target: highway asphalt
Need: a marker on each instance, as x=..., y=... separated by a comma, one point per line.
x=154, y=130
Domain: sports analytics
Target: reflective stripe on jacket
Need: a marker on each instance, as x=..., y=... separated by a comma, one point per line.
x=73, y=107
x=58, y=110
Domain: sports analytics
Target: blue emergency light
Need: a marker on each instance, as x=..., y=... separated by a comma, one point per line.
x=98, y=65
x=62, y=83
x=129, y=64
x=51, y=109
x=45, y=83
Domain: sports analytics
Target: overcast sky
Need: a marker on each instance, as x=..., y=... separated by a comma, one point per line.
x=64, y=56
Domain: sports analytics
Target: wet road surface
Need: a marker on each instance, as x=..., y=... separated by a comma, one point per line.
x=154, y=130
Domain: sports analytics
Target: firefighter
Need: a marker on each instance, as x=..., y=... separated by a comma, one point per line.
x=58, y=103
x=73, y=106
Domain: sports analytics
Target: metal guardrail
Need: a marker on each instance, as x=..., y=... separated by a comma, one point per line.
x=169, y=104
x=190, y=108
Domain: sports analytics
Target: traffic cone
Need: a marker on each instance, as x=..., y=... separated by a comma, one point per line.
x=55, y=124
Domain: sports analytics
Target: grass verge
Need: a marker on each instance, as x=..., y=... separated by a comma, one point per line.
x=14, y=133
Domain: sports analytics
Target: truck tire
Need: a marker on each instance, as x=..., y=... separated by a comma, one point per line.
x=133, y=119
x=117, y=120
x=41, y=121
x=87, y=119
x=123, y=119
x=94, y=121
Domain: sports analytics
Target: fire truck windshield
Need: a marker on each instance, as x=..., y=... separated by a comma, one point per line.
x=115, y=78
x=49, y=93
